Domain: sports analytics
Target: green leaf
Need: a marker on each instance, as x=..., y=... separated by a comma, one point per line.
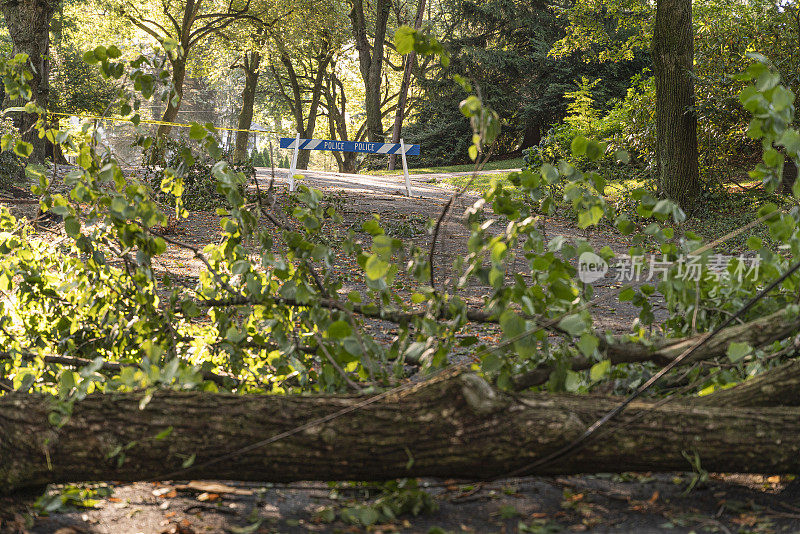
x=100, y=53
x=579, y=145
x=197, y=132
x=375, y=268
x=737, y=351
x=512, y=324
x=550, y=173
x=590, y=217
x=339, y=330
x=754, y=243
x=572, y=382
x=491, y=362
x=573, y=325
x=113, y=52
x=599, y=370
x=587, y=344
x=791, y=140
x=66, y=383
x=627, y=294
x=372, y=227
x=72, y=226
x=382, y=245
x=594, y=150
x=240, y=267
x=164, y=433
x=499, y=252
x=23, y=149
x=404, y=39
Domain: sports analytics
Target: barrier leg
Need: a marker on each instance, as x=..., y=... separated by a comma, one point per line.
x=293, y=167
x=405, y=168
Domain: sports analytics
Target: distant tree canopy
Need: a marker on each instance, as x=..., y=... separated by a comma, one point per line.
x=329, y=69
x=503, y=48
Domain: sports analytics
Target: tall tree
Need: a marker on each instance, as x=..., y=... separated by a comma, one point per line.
x=300, y=78
x=503, y=48
x=185, y=23
x=615, y=32
x=408, y=66
x=250, y=65
x=336, y=111
x=371, y=58
x=28, y=23
x=676, y=122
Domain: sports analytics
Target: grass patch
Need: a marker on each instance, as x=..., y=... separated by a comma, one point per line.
x=481, y=184
x=726, y=211
x=515, y=163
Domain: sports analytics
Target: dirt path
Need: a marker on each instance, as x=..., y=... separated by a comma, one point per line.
x=423, y=185
x=602, y=504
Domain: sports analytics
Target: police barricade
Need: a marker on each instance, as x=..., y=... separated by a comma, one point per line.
x=348, y=146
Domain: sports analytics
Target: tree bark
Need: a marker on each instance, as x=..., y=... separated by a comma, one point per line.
x=399, y=114
x=456, y=427
x=250, y=65
x=28, y=23
x=676, y=121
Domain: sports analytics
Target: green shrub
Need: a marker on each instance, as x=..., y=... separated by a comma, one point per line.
x=12, y=171
x=187, y=159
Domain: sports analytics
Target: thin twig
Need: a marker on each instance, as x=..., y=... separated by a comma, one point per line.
x=335, y=364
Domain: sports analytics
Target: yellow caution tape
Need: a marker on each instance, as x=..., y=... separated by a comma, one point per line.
x=148, y=121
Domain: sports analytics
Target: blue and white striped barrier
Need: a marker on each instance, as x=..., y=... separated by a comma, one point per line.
x=350, y=146
x=298, y=144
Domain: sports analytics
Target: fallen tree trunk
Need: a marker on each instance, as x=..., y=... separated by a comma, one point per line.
x=457, y=427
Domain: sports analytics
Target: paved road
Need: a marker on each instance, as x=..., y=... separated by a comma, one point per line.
x=365, y=183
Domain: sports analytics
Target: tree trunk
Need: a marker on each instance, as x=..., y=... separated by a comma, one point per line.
x=789, y=176
x=676, y=121
x=371, y=62
x=250, y=66
x=313, y=108
x=532, y=136
x=336, y=108
x=399, y=114
x=305, y=126
x=178, y=77
x=455, y=427
x=28, y=23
